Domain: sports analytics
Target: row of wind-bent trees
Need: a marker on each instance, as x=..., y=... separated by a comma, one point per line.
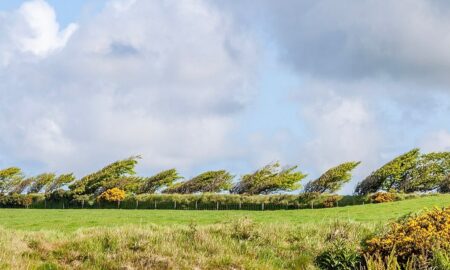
x=409, y=172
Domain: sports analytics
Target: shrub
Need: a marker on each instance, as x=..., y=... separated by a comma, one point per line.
x=331, y=201
x=414, y=236
x=339, y=257
x=382, y=197
x=112, y=195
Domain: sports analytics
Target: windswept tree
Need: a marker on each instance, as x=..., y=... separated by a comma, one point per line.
x=59, y=182
x=128, y=183
x=158, y=181
x=10, y=178
x=333, y=179
x=211, y=181
x=41, y=181
x=21, y=186
x=391, y=175
x=96, y=182
x=429, y=173
x=270, y=178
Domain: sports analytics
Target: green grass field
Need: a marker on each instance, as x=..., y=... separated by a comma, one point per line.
x=71, y=220
x=181, y=239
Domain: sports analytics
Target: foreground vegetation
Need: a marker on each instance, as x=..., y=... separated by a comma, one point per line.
x=353, y=237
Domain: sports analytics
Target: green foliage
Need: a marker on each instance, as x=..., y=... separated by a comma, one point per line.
x=58, y=195
x=444, y=186
x=339, y=257
x=441, y=259
x=40, y=182
x=391, y=175
x=9, y=179
x=59, y=182
x=211, y=181
x=127, y=183
x=96, y=182
x=160, y=180
x=333, y=179
x=21, y=186
x=429, y=172
x=270, y=178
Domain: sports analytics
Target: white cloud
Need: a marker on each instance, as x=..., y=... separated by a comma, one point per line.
x=161, y=79
x=31, y=31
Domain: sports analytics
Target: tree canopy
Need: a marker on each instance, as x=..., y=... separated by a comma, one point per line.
x=160, y=180
x=409, y=172
x=41, y=182
x=9, y=178
x=333, y=179
x=96, y=182
x=428, y=174
x=211, y=181
x=270, y=178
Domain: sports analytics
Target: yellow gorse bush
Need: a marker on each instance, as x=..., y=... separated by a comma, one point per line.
x=416, y=236
x=113, y=195
x=382, y=197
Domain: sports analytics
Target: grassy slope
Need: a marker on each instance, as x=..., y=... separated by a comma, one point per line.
x=71, y=220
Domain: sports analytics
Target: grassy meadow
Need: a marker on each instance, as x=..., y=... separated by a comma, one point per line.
x=177, y=239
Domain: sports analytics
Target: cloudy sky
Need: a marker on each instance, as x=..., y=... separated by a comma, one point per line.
x=203, y=85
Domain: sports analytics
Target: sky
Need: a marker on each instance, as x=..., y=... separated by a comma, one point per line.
x=203, y=85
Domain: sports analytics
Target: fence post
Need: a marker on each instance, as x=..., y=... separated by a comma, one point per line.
x=240, y=205
x=196, y=206
x=155, y=204
x=217, y=205
x=312, y=205
x=137, y=204
x=262, y=206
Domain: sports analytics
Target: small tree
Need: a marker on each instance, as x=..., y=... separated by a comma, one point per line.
x=333, y=179
x=41, y=181
x=82, y=199
x=9, y=178
x=96, y=182
x=113, y=195
x=270, y=178
x=429, y=173
x=391, y=175
x=211, y=181
x=59, y=182
x=163, y=179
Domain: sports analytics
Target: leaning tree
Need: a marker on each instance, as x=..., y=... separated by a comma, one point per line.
x=41, y=181
x=391, y=175
x=333, y=179
x=430, y=172
x=211, y=181
x=9, y=178
x=159, y=181
x=97, y=182
x=270, y=178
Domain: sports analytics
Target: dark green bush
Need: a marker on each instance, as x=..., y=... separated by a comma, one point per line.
x=339, y=257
